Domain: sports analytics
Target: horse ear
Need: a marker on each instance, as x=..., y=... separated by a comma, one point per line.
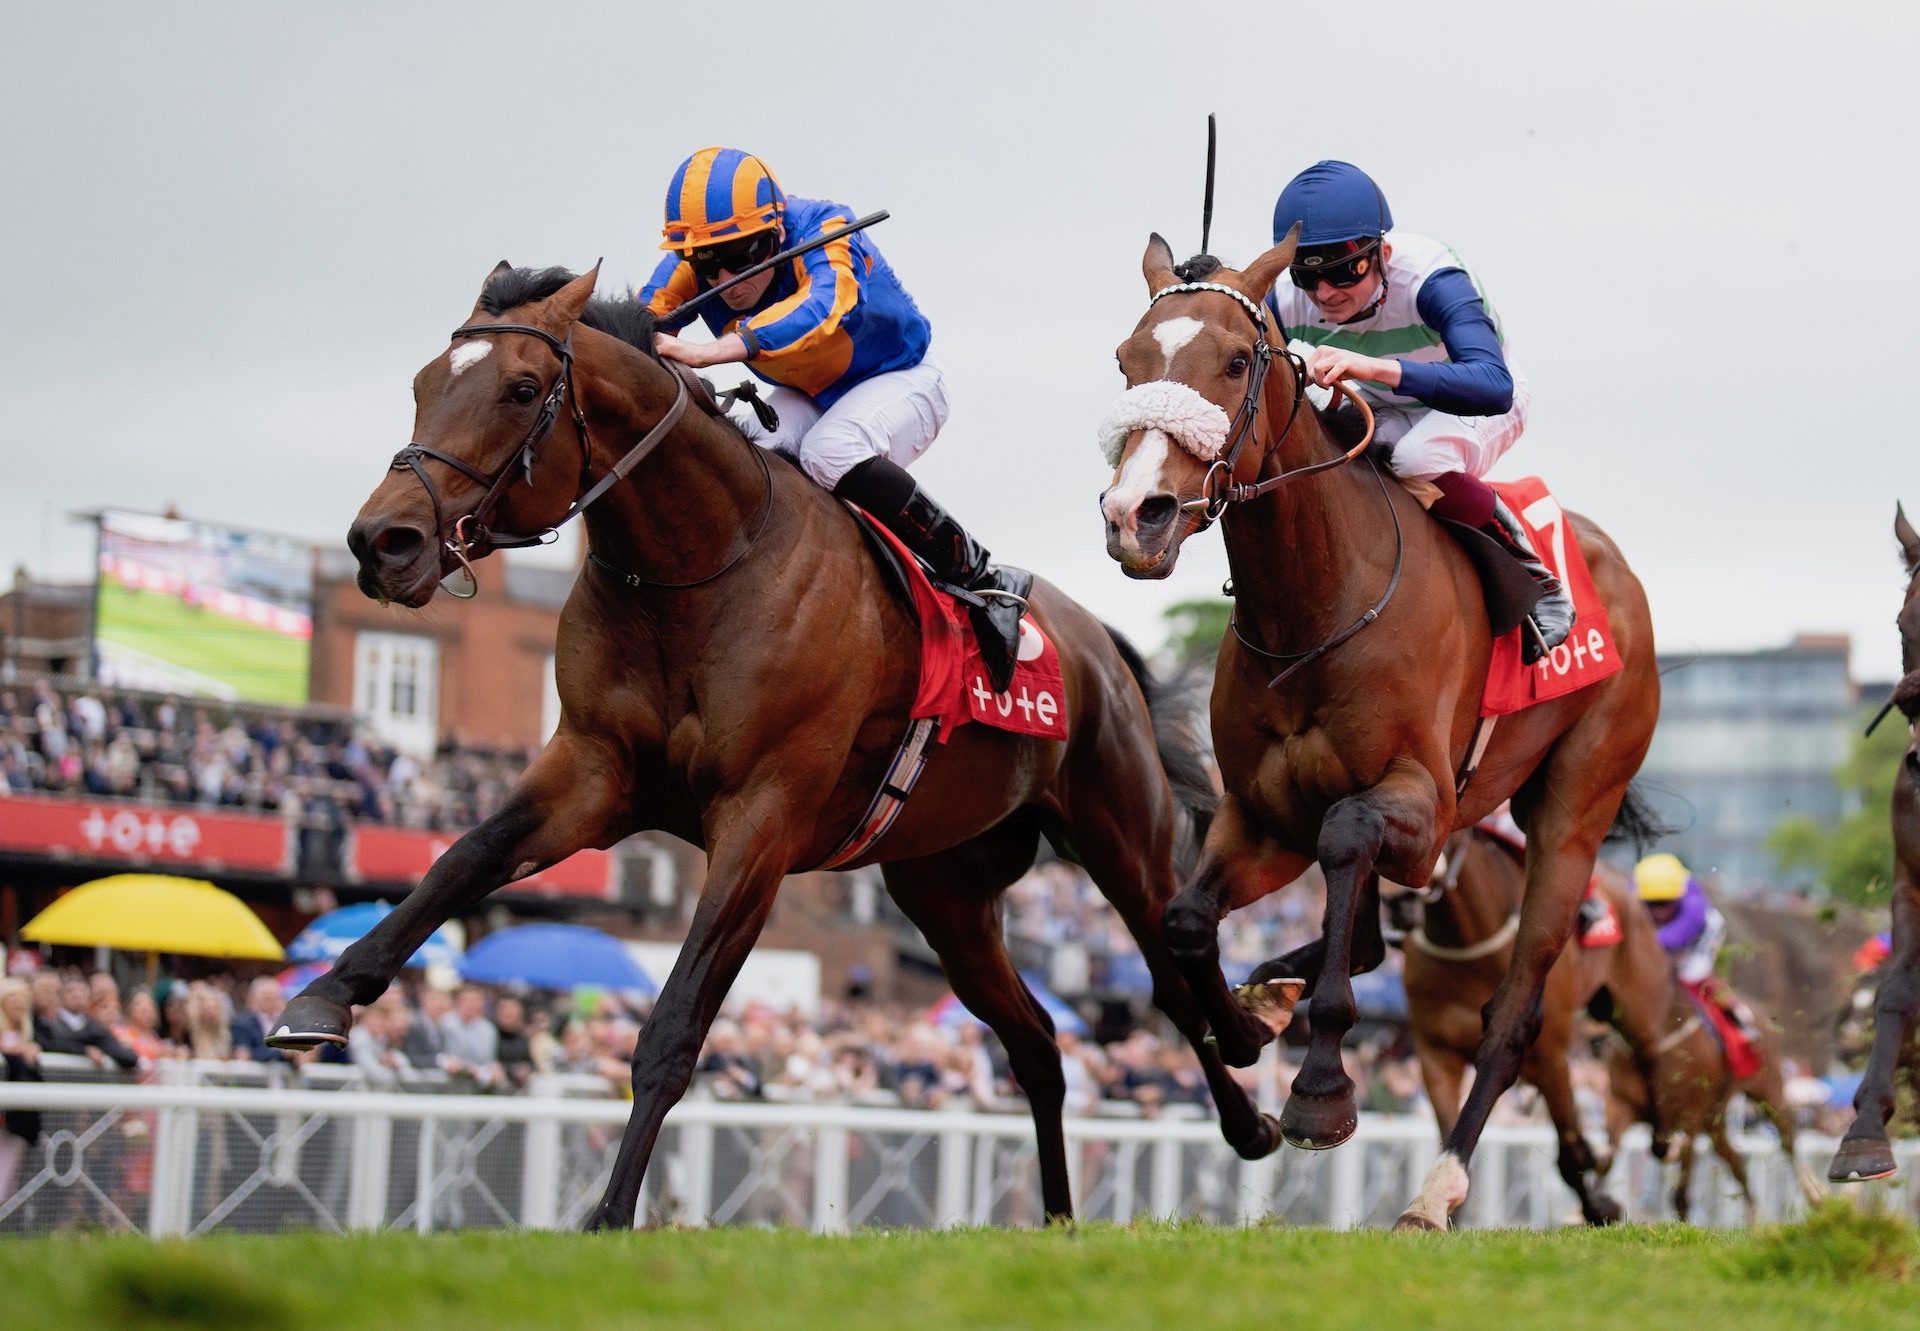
x=480, y=305
x=1909, y=539
x=566, y=303
x=1157, y=265
x=1260, y=275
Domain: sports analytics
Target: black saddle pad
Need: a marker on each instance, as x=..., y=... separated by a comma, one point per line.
x=1509, y=590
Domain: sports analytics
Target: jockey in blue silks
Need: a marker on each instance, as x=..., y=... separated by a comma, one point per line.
x=1400, y=313
x=845, y=346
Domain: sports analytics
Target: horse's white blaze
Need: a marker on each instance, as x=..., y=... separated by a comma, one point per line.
x=1173, y=335
x=1138, y=479
x=467, y=355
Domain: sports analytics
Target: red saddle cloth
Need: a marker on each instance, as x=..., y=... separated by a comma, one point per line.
x=1599, y=922
x=1743, y=1060
x=1587, y=656
x=953, y=677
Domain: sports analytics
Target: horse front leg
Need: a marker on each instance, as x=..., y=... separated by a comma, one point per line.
x=574, y=795
x=752, y=845
x=1397, y=817
x=1864, y=1152
x=1238, y=864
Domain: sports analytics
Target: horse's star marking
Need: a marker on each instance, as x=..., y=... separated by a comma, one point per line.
x=467, y=355
x=1174, y=334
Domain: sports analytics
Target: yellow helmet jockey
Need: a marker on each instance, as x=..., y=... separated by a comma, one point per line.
x=1660, y=878
x=720, y=195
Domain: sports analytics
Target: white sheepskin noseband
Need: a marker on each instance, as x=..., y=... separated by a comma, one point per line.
x=1196, y=424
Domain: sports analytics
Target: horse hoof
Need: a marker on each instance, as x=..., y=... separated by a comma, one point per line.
x=1264, y=1142
x=1415, y=1222
x=1861, y=1160
x=1319, y=1123
x=309, y=1021
x=1270, y=1002
x=1603, y=1211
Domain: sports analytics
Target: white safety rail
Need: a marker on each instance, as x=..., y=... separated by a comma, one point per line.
x=186, y=1159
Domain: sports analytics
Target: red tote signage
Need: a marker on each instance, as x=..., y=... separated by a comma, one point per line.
x=144, y=834
x=400, y=855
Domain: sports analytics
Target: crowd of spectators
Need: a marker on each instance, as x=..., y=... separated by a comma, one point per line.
x=105, y=742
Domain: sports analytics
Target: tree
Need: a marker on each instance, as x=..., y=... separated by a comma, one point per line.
x=1855, y=859
x=1195, y=628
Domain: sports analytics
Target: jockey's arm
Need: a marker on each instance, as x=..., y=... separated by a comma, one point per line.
x=1685, y=926
x=829, y=289
x=671, y=286
x=1474, y=380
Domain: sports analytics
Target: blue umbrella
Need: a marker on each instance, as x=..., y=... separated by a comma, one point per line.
x=328, y=936
x=950, y=1011
x=555, y=956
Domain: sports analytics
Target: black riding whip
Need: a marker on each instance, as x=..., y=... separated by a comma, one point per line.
x=805, y=247
x=1206, y=207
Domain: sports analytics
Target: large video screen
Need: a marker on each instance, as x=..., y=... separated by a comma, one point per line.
x=189, y=607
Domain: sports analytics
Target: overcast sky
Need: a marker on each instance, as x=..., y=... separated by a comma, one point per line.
x=235, y=232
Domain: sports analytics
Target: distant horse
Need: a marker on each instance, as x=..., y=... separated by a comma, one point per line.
x=1458, y=948
x=1865, y=1153
x=734, y=669
x=1347, y=693
x=1693, y=1086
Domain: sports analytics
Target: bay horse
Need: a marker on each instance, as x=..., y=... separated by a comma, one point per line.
x=1692, y=1086
x=1347, y=692
x=733, y=669
x=1458, y=948
x=1864, y=1152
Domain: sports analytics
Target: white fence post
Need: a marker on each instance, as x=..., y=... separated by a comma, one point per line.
x=176, y=1145
x=1348, y=1167
x=696, y=1173
x=369, y=1170
x=830, y=1181
x=423, y=1177
x=1165, y=1184
x=540, y=1175
x=956, y=1169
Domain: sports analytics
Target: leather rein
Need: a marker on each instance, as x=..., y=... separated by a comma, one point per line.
x=472, y=536
x=1219, y=491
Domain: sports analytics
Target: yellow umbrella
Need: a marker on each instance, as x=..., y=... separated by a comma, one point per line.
x=145, y=912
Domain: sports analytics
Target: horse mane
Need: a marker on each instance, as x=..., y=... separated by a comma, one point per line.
x=622, y=317
x=1198, y=269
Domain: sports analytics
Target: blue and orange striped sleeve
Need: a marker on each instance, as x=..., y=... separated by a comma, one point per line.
x=671, y=286
x=829, y=289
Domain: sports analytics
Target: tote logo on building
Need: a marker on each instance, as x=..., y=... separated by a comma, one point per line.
x=91, y=830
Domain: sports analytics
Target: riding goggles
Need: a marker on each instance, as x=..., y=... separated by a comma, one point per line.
x=734, y=258
x=1344, y=264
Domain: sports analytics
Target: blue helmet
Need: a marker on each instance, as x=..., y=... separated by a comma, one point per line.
x=1332, y=202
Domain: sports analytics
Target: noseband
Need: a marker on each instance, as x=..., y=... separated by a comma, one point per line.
x=471, y=536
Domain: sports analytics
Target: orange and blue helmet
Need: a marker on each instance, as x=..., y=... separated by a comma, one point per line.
x=720, y=195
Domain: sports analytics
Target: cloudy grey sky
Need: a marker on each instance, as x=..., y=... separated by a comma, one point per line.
x=233, y=233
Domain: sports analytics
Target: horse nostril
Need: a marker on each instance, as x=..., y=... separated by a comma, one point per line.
x=397, y=545
x=1156, y=511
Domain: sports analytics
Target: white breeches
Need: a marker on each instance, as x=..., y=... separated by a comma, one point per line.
x=1428, y=443
x=894, y=415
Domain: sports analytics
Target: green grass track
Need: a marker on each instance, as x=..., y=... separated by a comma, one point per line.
x=1835, y=1271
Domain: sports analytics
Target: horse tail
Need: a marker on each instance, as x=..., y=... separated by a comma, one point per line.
x=1637, y=825
x=1183, y=752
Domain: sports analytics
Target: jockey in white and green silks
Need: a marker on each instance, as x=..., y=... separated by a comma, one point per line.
x=1400, y=314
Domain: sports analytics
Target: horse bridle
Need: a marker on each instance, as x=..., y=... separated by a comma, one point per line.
x=472, y=537
x=1219, y=491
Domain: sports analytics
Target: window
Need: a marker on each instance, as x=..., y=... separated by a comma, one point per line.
x=396, y=686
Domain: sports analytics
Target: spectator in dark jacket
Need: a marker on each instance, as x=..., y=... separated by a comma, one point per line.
x=61, y=1024
x=251, y=1028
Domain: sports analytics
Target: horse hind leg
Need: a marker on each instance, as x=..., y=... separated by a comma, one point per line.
x=1131, y=877
x=1575, y=1158
x=1736, y=1165
x=951, y=898
x=1769, y=1091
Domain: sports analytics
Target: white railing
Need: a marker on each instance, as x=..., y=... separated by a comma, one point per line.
x=169, y=1160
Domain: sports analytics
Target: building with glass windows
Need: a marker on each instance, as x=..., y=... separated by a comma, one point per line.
x=1746, y=739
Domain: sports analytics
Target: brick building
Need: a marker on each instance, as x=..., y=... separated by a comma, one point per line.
x=478, y=671
x=46, y=628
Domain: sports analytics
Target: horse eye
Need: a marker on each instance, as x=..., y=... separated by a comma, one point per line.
x=523, y=392
x=1236, y=367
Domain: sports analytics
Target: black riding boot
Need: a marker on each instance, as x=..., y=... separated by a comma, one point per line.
x=1552, y=618
x=995, y=597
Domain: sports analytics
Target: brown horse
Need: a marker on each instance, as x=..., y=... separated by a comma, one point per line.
x=1347, y=693
x=733, y=669
x=1692, y=1086
x=1864, y=1152
x=1459, y=950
